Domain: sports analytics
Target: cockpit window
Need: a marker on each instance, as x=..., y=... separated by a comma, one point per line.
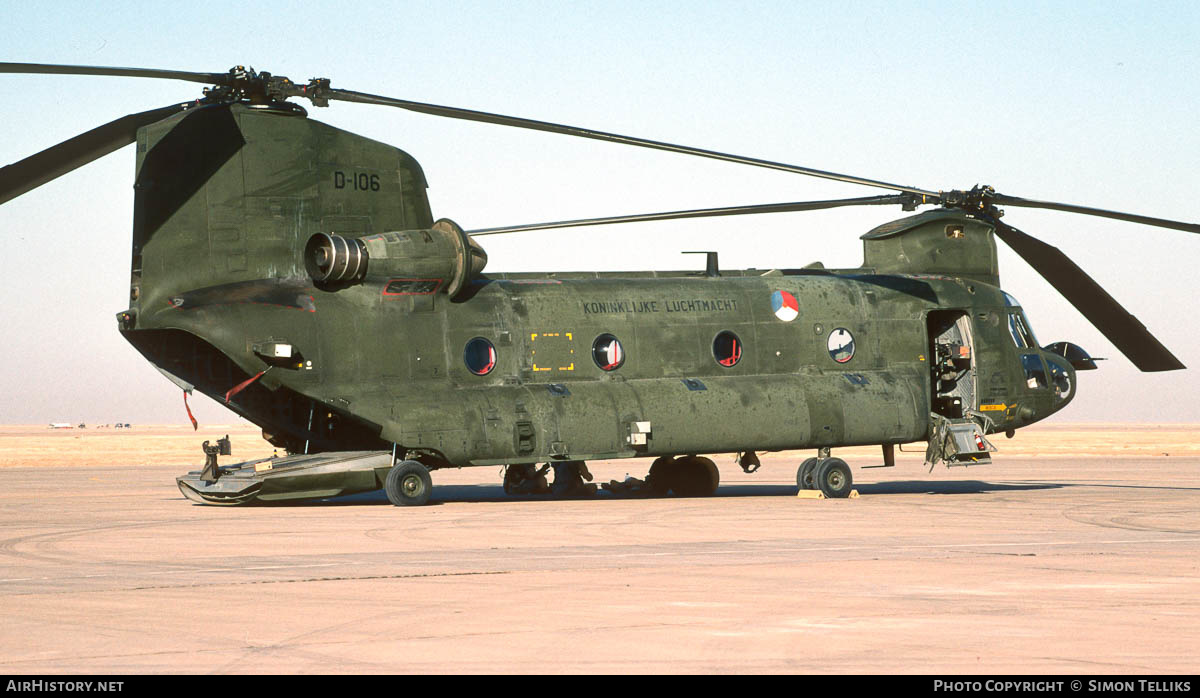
x=1018, y=326
x=1035, y=371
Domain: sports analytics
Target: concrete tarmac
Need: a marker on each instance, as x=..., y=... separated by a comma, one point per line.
x=1028, y=565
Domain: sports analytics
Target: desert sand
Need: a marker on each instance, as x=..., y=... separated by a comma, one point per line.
x=1077, y=551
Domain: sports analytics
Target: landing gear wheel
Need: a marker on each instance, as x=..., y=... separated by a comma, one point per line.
x=805, y=479
x=661, y=475
x=695, y=477
x=833, y=478
x=408, y=484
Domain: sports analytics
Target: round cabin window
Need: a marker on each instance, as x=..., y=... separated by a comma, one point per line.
x=727, y=349
x=841, y=345
x=608, y=353
x=480, y=356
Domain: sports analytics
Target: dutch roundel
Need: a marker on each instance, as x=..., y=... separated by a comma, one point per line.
x=785, y=306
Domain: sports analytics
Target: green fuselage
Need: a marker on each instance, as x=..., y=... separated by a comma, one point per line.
x=398, y=362
x=220, y=294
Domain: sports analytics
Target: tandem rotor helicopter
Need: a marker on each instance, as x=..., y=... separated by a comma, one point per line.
x=295, y=272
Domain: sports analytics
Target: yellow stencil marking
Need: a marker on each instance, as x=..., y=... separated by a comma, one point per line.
x=552, y=348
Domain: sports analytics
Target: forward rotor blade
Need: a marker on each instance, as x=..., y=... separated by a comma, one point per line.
x=1005, y=200
x=46, y=69
x=1121, y=328
x=700, y=213
x=517, y=122
x=55, y=161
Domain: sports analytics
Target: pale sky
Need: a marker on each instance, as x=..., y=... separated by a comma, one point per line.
x=1093, y=104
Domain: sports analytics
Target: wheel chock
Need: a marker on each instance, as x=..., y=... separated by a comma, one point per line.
x=818, y=494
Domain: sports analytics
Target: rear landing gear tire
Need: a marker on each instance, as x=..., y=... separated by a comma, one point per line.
x=695, y=476
x=660, y=477
x=833, y=478
x=805, y=478
x=408, y=484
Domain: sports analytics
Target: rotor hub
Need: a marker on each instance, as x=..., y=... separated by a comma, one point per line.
x=264, y=90
x=978, y=199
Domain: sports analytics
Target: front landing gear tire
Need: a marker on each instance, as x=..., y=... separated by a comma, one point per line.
x=806, y=474
x=408, y=484
x=833, y=478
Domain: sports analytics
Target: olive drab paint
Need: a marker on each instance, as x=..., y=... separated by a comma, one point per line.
x=295, y=271
x=384, y=356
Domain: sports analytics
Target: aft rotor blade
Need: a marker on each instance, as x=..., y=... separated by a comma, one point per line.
x=45, y=69
x=55, y=161
x=1005, y=200
x=499, y=119
x=701, y=213
x=1121, y=328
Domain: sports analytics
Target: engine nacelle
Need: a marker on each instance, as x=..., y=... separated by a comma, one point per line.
x=331, y=258
x=444, y=254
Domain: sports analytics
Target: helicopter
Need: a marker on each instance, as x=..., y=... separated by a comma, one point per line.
x=295, y=272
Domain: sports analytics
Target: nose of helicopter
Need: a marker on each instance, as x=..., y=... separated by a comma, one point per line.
x=1050, y=393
